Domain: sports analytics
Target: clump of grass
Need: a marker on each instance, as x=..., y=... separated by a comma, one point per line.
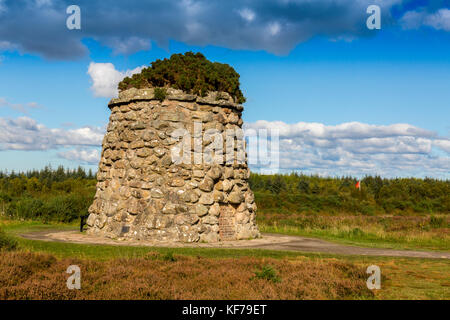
x=154, y=255
x=437, y=222
x=357, y=233
x=169, y=257
x=267, y=273
x=160, y=94
x=7, y=242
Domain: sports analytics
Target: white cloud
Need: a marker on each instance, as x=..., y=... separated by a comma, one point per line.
x=344, y=130
x=443, y=144
x=127, y=46
x=2, y=7
x=194, y=22
x=357, y=149
x=345, y=149
x=43, y=3
x=25, y=133
x=6, y=45
x=21, y=107
x=412, y=20
x=247, y=14
x=192, y=8
x=274, y=28
x=87, y=156
x=439, y=20
x=105, y=78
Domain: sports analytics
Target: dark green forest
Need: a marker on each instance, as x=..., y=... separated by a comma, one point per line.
x=57, y=195
x=297, y=193
x=63, y=195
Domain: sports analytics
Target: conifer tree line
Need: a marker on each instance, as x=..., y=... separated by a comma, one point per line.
x=298, y=193
x=63, y=195
x=60, y=195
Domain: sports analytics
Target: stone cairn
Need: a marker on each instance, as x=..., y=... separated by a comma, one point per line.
x=144, y=193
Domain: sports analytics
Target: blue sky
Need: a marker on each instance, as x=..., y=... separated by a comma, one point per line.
x=308, y=70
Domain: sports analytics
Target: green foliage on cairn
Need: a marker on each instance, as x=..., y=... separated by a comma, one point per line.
x=190, y=72
x=160, y=94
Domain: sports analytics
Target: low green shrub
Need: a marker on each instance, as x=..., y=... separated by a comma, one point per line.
x=437, y=222
x=160, y=94
x=58, y=208
x=7, y=242
x=190, y=72
x=169, y=257
x=357, y=233
x=267, y=273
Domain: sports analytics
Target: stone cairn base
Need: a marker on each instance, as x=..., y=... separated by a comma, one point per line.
x=143, y=193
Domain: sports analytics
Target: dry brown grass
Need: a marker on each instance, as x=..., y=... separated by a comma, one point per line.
x=399, y=232
x=41, y=276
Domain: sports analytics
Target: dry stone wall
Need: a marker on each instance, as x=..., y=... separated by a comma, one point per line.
x=143, y=192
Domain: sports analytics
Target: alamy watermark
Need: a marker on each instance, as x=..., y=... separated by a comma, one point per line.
x=74, y=281
x=374, y=281
x=73, y=21
x=374, y=20
x=212, y=146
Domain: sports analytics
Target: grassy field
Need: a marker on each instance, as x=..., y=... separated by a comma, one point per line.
x=387, y=231
x=36, y=270
x=400, y=213
x=155, y=276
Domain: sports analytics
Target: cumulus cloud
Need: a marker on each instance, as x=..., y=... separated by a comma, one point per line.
x=43, y=3
x=247, y=14
x=128, y=26
x=38, y=27
x=24, y=133
x=443, y=144
x=128, y=46
x=85, y=156
x=274, y=28
x=105, y=78
x=2, y=6
x=21, y=107
x=345, y=149
x=6, y=45
x=345, y=130
x=439, y=20
x=357, y=149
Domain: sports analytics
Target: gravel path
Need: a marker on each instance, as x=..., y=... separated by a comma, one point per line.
x=268, y=241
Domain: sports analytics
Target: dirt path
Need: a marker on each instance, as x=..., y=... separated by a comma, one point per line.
x=268, y=241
